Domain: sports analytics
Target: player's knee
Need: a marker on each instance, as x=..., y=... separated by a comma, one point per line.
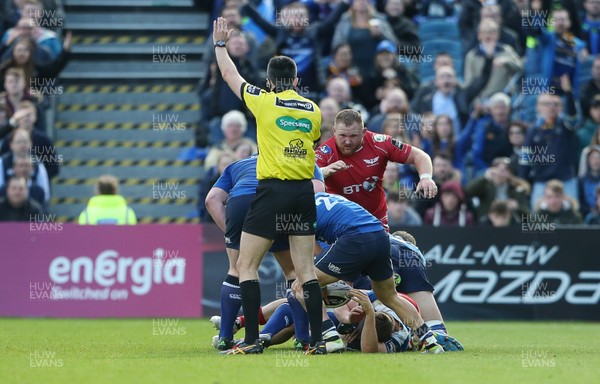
x=244, y=264
x=387, y=298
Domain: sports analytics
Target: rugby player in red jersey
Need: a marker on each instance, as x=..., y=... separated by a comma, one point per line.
x=354, y=159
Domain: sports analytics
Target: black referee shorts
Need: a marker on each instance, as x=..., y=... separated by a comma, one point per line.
x=282, y=207
x=235, y=215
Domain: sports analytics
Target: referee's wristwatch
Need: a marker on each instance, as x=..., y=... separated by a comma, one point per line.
x=220, y=44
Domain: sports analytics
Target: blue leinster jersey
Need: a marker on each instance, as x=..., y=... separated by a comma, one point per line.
x=338, y=216
x=239, y=178
x=398, y=251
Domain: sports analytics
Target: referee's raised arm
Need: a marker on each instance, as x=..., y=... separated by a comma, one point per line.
x=229, y=72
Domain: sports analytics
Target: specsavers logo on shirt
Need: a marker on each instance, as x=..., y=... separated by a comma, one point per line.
x=288, y=123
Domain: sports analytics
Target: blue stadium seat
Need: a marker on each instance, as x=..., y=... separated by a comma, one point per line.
x=585, y=71
x=439, y=28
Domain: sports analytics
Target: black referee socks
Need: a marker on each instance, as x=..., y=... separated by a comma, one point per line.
x=314, y=305
x=250, y=290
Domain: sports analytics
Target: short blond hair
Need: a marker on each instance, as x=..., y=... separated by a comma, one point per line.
x=406, y=237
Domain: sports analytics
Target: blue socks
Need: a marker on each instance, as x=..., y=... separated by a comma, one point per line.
x=300, y=317
x=280, y=319
x=231, y=301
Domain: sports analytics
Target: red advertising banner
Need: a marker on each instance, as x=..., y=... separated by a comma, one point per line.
x=67, y=270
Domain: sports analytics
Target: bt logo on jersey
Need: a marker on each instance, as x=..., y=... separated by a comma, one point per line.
x=350, y=189
x=368, y=185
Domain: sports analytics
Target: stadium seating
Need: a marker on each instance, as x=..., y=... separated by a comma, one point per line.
x=439, y=28
x=585, y=71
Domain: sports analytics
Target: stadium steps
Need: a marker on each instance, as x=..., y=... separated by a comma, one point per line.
x=147, y=19
x=125, y=114
x=127, y=131
x=131, y=69
x=131, y=169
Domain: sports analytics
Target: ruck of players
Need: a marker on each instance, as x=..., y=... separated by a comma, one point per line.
x=351, y=284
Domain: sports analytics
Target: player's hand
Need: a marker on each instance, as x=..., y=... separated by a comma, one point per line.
x=334, y=167
x=356, y=315
x=361, y=298
x=428, y=187
x=220, y=31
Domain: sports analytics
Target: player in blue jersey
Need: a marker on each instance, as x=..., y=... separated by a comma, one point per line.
x=376, y=328
x=409, y=263
x=360, y=245
x=228, y=201
x=383, y=333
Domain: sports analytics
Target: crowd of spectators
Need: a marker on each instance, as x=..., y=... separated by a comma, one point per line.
x=510, y=119
x=32, y=53
x=511, y=122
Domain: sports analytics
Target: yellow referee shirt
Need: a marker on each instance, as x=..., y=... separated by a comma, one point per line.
x=287, y=127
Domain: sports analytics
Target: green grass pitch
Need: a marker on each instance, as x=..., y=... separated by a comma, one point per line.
x=179, y=351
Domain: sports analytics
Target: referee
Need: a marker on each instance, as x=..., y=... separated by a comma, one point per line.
x=288, y=126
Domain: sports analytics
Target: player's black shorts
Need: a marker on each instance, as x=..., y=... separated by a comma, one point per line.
x=282, y=207
x=355, y=254
x=411, y=268
x=235, y=214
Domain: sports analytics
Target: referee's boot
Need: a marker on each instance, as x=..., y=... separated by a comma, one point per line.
x=244, y=348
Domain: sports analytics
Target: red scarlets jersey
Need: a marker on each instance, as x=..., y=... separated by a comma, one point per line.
x=362, y=182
